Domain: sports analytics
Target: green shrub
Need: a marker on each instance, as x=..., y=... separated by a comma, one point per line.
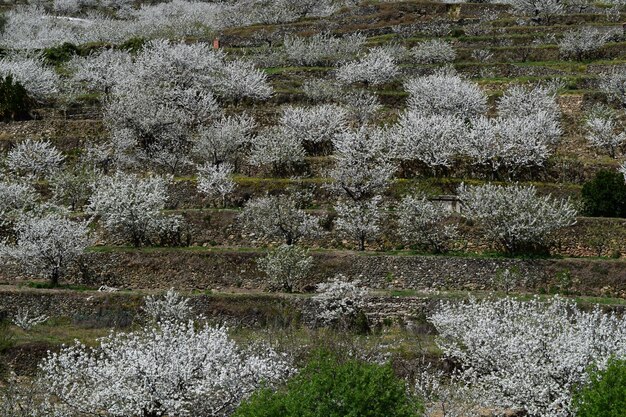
x=15, y=103
x=605, y=396
x=133, y=45
x=328, y=388
x=605, y=195
x=60, y=54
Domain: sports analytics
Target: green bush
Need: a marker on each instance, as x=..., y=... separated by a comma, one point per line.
x=605, y=195
x=60, y=54
x=605, y=396
x=329, y=388
x=15, y=103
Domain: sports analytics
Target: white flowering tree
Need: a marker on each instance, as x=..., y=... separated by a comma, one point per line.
x=40, y=81
x=171, y=306
x=527, y=355
x=277, y=149
x=216, y=181
x=362, y=105
x=286, y=266
x=72, y=187
x=280, y=217
x=168, y=369
x=515, y=216
x=540, y=11
x=422, y=222
x=99, y=71
x=339, y=301
x=223, y=140
x=15, y=199
x=46, y=246
x=363, y=164
x=130, y=207
x=321, y=49
x=375, y=68
x=613, y=84
x=582, y=42
x=434, y=51
x=314, y=125
x=445, y=92
x=601, y=128
x=359, y=220
x=34, y=159
x=435, y=140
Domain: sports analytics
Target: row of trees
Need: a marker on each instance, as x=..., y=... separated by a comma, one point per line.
x=547, y=359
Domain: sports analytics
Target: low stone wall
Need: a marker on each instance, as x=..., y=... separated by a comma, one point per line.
x=212, y=270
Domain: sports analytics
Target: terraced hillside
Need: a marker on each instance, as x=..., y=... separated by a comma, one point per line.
x=425, y=151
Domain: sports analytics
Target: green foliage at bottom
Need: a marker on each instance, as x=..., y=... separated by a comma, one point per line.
x=329, y=388
x=605, y=396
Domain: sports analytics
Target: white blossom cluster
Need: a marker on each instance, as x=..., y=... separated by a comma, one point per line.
x=339, y=300
x=274, y=147
x=433, y=51
x=47, y=245
x=15, y=199
x=224, y=140
x=170, y=307
x=527, y=355
x=363, y=166
x=377, y=67
x=422, y=222
x=286, y=266
x=115, y=21
x=359, y=219
x=25, y=321
x=279, y=217
x=161, y=106
x=315, y=124
x=582, y=42
x=321, y=48
x=515, y=216
x=445, y=121
x=34, y=159
x=129, y=207
x=602, y=128
x=216, y=180
x=40, y=81
x=613, y=83
x=170, y=368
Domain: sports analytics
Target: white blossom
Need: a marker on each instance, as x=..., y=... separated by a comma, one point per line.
x=445, y=93
x=322, y=48
x=580, y=43
x=224, y=139
x=99, y=71
x=377, y=67
x=314, y=124
x=215, y=180
x=434, y=51
x=129, y=207
x=286, y=266
x=169, y=307
x=601, y=127
x=25, y=321
x=15, y=199
x=30, y=71
x=339, y=300
x=433, y=139
x=362, y=163
x=515, y=216
x=279, y=217
x=423, y=222
x=613, y=83
x=527, y=355
x=276, y=148
x=359, y=220
x=34, y=159
x=362, y=105
x=167, y=369
x=47, y=245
